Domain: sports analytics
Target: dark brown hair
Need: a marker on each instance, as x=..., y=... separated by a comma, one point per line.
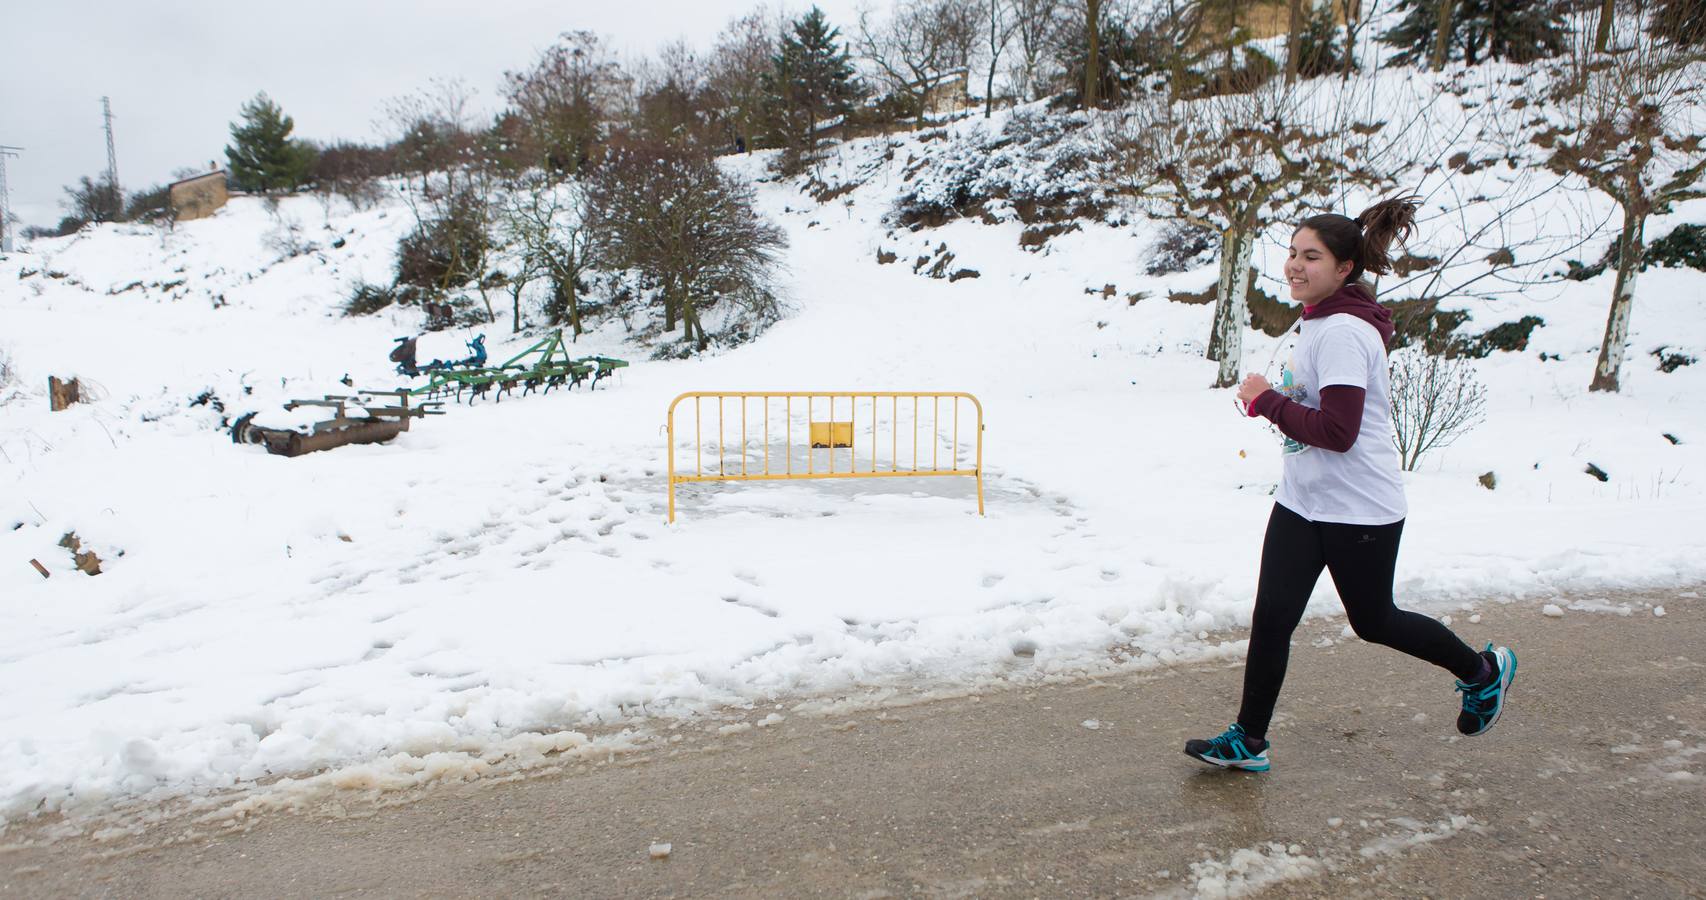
x=1366, y=241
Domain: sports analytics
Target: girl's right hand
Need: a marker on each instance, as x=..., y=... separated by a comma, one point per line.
x=1253, y=386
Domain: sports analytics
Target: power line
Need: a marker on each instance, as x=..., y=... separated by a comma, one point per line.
x=6, y=200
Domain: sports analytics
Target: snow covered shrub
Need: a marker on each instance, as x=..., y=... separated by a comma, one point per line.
x=1181, y=247
x=1684, y=247
x=1039, y=168
x=1436, y=399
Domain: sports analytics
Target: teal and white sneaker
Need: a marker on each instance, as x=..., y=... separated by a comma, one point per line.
x=1482, y=703
x=1232, y=750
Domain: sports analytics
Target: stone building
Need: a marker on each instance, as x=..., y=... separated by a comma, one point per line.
x=199, y=196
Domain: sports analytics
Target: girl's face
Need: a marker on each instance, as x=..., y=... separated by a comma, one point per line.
x=1312, y=270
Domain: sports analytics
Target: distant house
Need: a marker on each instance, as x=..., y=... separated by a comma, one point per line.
x=945, y=94
x=1272, y=18
x=199, y=196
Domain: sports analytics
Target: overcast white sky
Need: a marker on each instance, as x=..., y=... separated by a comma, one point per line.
x=178, y=70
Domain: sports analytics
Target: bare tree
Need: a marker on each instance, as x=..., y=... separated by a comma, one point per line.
x=1442, y=34
x=1036, y=26
x=1093, y=69
x=919, y=42
x=1237, y=163
x=667, y=212
x=1602, y=33
x=450, y=175
x=94, y=200
x=735, y=75
x=1293, y=39
x=545, y=220
x=564, y=100
x=998, y=35
x=1498, y=232
x=1436, y=399
x=1633, y=126
x=670, y=98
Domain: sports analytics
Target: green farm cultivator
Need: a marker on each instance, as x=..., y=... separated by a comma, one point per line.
x=544, y=365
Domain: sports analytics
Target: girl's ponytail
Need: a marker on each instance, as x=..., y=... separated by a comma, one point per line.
x=1391, y=220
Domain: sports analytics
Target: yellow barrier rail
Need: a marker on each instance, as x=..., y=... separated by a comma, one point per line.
x=780, y=435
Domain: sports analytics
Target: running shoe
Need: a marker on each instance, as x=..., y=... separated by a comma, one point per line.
x=1232, y=750
x=1483, y=702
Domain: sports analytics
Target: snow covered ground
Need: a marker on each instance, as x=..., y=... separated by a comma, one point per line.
x=505, y=570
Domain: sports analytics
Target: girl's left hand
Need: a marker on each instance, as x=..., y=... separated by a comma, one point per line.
x=1254, y=386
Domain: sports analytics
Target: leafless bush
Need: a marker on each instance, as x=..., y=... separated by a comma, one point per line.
x=350, y=171
x=286, y=237
x=8, y=378
x=1436, y=399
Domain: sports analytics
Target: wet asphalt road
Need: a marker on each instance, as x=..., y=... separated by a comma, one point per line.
x=1593, y=784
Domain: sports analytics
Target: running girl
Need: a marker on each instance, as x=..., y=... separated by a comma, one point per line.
x=1340, y=503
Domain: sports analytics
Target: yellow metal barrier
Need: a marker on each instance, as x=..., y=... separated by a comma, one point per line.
x=783, y=437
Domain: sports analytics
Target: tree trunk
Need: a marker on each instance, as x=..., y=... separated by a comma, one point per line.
x=1093, y=68
x=1353, y=15
x=1605, y=374
x=1442, y=35
x=574, y=304
x=668, y=307
x=1231, y=305
x=1602, y=39
x=690, y=325
x=1292, y=40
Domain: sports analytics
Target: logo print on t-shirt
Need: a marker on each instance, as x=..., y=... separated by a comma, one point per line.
x=1292, y=390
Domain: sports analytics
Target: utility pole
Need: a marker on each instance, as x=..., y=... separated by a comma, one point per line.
x=5, y=200
x=112, y=161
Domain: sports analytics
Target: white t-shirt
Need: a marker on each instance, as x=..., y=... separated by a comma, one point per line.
x=1360, y=486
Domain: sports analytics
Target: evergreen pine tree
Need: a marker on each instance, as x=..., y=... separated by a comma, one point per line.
x=811, y=78
x=262, y=156
x=1682, y=21
x=1481, y=30
x=1318, y=47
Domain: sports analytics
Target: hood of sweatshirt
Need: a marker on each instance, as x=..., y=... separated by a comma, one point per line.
x=1354, y=300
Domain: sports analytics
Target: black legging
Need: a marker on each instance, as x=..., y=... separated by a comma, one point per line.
x=1362, y=559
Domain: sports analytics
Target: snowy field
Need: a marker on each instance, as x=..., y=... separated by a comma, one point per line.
x=504, y=573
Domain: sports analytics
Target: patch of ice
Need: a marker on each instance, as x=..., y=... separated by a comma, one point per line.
x=1249, y=870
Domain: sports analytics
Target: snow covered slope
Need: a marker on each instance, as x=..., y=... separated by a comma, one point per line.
x=505, y=570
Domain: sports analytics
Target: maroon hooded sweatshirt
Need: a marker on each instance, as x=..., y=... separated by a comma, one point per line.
x=1336, y=424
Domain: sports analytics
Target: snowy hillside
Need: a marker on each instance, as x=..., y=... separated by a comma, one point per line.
x=500, y=581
